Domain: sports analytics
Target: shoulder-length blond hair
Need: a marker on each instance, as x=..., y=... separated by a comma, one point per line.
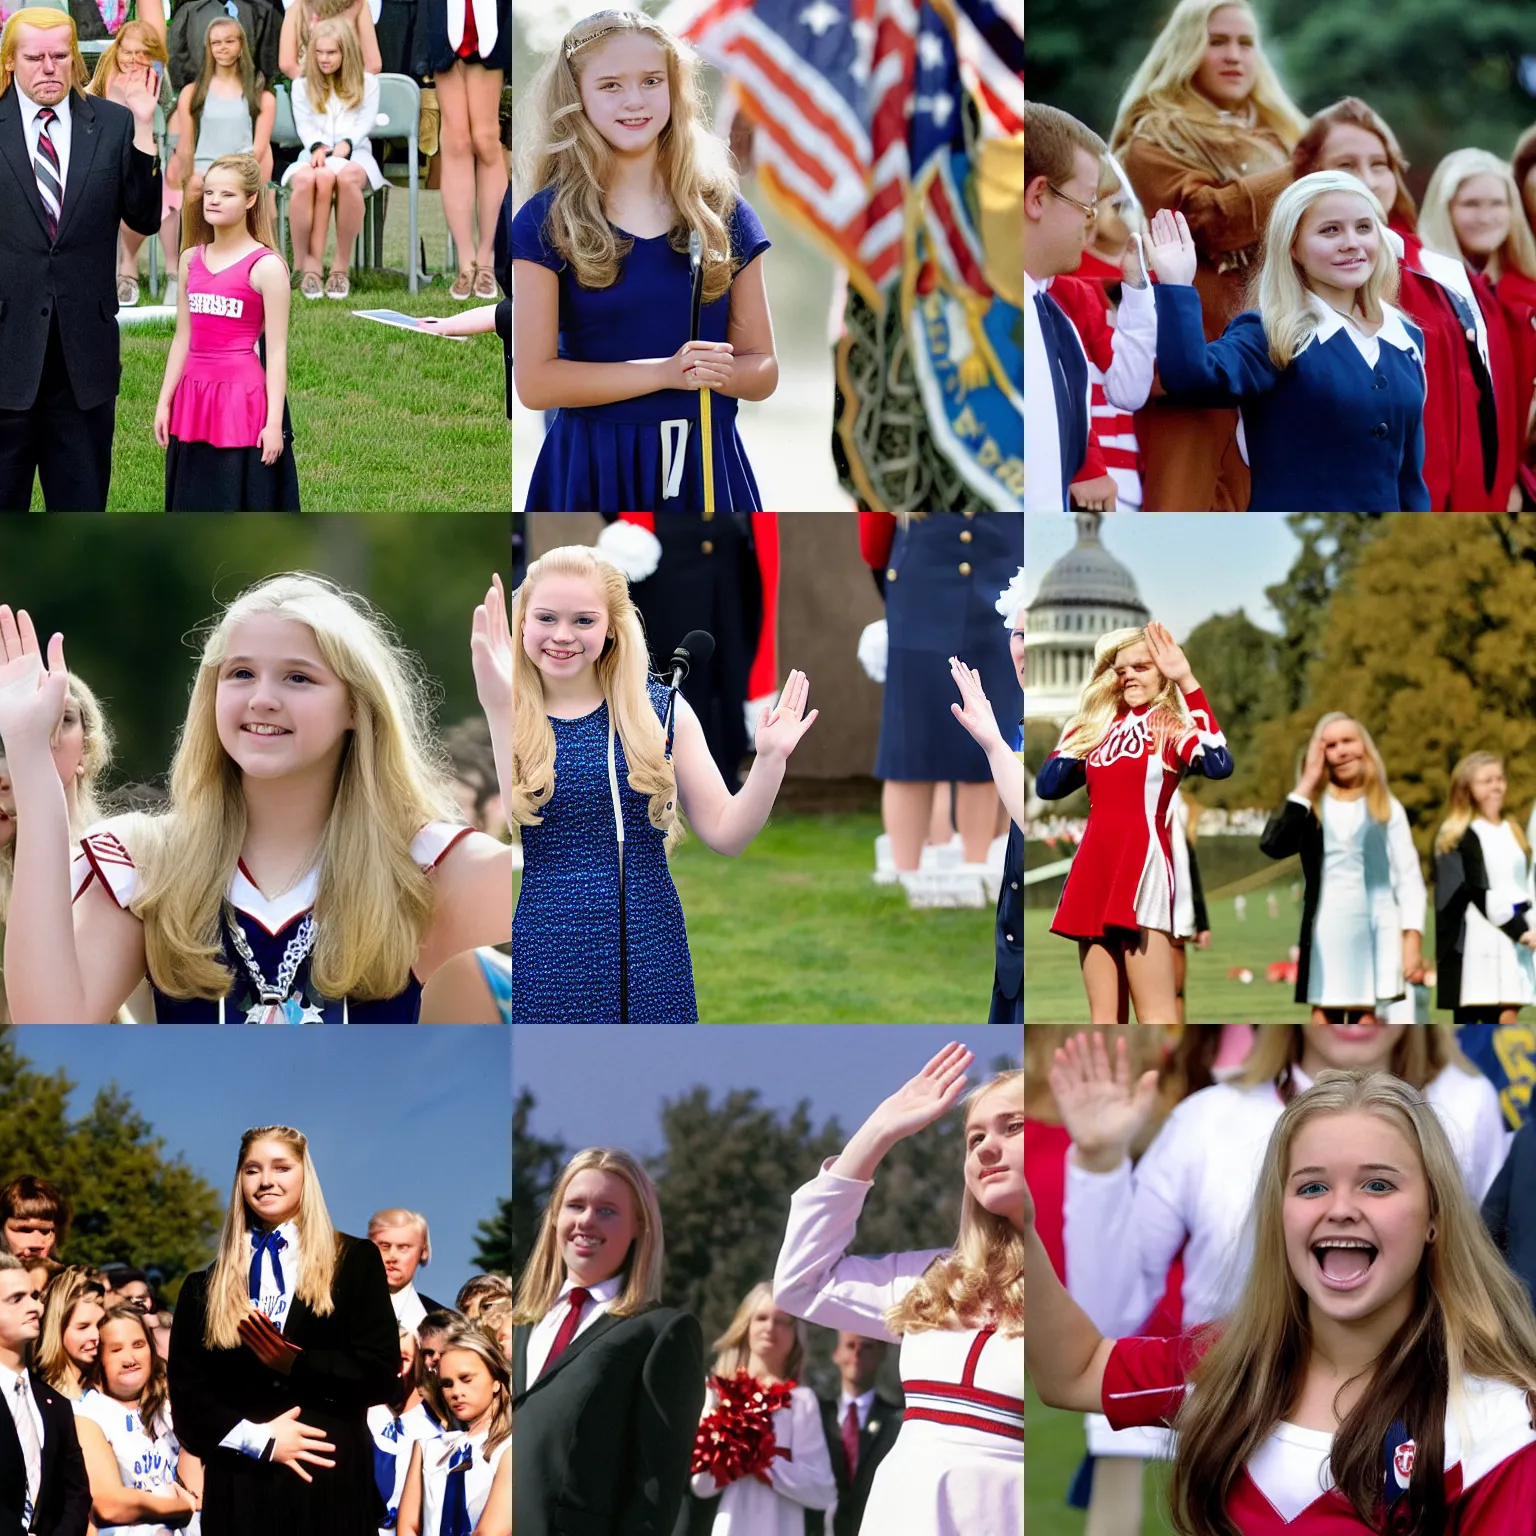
x=1101, y=700
x=1461, y=809
x=45, y=18
x=246, y=169
x=643, y=1266
x=1439, y=233
x=561, y=148
x=1280, y=293
x=1470, y=1317
x=1161, y=103
x=229, y=1292
x=1378, y=795
x=486, y=1348
x=1422, y=1053
x=347, y=82
x=622, y=671
x=67, y=1290
x=374, y=901
x=981, y=1279
x=732, y=1350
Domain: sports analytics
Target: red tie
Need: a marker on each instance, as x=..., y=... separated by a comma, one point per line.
x=578, y=1299
x=851, y=1439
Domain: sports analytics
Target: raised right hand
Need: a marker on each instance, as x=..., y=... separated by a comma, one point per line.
x=31, y=695
x=1313, y=769
x=294, y=1444
x=1171, y=248
x=1102, y=1112
x=923, y=1099
x=699, y=365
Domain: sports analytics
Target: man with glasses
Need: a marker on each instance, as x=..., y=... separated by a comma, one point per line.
x=43, y=1484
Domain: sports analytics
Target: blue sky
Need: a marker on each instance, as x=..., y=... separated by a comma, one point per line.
x=1187, y=565
x=418, y=1118
x=604, y=1085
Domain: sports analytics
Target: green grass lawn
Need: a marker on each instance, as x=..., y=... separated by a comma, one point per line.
x=795, y=932
x=1053, y=1447
x=384, y=420
x=1053, y=988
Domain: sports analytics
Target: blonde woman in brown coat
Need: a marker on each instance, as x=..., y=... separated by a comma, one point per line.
x=1205, y=128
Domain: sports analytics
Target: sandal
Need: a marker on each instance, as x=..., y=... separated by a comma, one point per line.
x=310, y=286
x=463, y=286
x=127, y=290
x=337, y=286
x=484, y=284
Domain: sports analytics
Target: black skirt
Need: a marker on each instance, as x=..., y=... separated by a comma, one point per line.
x=202, y=478
x=434, y=53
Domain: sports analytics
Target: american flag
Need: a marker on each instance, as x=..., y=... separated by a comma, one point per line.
x=835, y=89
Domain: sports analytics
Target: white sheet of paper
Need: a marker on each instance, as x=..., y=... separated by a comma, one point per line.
x=404, y=322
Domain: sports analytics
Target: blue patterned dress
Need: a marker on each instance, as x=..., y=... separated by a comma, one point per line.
x=565, y=933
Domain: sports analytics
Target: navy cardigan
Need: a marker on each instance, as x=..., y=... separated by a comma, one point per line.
x=1330, y=433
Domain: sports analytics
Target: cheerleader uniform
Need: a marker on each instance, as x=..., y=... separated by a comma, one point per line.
x=393, y=1436
x=800, y=1479
x=1364, y=890
x=957, y=1468
x=1286, y=1486
x=456, y=1481
x=213, y=462
x=1123, y=874
x=145, y=1462
x=223, y=1399
x=1482, y=906
x=639, y=454
x=267, y=943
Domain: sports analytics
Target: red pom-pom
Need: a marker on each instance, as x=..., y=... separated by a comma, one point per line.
x=737, y=1440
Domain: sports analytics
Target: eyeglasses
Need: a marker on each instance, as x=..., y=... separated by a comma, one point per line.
x=1090, y=210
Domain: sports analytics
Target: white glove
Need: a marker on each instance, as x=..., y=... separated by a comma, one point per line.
x=874, y=649
x=635, y=550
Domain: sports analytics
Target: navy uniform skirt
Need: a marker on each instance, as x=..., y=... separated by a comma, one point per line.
x=941, y=589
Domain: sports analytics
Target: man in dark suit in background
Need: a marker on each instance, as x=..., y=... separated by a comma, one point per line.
x=43, y=1486
x=860, y=1425
x=72, y=169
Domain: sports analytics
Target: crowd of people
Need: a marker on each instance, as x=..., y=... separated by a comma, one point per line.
x=1265, y=1239
x=301, y=1383
x=70, y=245
x=1300, y=296
x=621, y=1426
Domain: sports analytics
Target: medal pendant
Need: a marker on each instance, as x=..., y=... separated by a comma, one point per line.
x=296, y=1012
x=270, y=1010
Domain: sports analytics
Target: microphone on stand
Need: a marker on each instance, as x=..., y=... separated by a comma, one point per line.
x=698, y=645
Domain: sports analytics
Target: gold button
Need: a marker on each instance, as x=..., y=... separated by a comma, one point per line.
x=965, y=567
x=966, y=536
x=967, y=514
x=708, y=547
x=890, y=575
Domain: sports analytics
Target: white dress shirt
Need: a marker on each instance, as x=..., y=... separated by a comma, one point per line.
x=8, y=1381
x=541, y=1336
x=59, y=132
x=248, y=1438
x=409, y=1308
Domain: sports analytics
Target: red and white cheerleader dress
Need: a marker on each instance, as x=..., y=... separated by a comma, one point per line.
x=1122, y=876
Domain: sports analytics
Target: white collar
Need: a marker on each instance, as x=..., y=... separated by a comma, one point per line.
x=1393, y=332
x=31, y=108
x=287, y=1230
x=604, y=1290
x=865, y=1401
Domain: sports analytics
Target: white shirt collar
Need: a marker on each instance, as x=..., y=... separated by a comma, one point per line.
x=604, y=1290
x=31, y=108
x=865, y=1402
x=1393, y=332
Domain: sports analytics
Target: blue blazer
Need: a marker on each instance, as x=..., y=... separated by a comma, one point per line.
x=1330, y=433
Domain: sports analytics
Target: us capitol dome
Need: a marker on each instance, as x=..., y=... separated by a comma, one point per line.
x=1084, y=595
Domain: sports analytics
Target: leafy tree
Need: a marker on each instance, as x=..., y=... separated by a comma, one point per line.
x=1237, y=665
x=536, y=1164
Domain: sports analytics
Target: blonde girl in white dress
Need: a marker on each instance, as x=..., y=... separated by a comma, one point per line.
x=957, y=1468
x=769, y=1344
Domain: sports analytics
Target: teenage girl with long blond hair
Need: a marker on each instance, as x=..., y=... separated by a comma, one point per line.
x=1362, y=916
x=1484, y=930
x=277, y=1350
x=606, y=1381
x=1142, y=723
x=621, y=173
x=589, y=755
x=1377, y=1369
x=957, y=1313
x=310, y=867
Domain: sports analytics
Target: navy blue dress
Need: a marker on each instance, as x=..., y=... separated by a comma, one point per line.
x=934, y=610
x=611, y=458
x=565, y=932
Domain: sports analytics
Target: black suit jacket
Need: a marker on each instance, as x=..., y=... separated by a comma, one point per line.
x=64, y=1501
x=604, y=1436
x=875, y=1441
x=109, y=182
x=350, y=1360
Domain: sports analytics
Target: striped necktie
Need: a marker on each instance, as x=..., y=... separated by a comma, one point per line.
x=45, y=163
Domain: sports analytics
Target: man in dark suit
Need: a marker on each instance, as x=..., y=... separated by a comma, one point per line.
x=43, y=1486
x=860, y=1426
x=605, y=1429
x=405, y=1244
x=72, y=169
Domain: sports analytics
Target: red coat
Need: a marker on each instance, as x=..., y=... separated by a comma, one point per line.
x=1517, y=298
x=1082, y=296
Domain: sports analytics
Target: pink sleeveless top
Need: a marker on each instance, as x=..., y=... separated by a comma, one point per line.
x=222, y=396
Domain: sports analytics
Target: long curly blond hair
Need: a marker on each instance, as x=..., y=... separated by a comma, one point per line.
x=562, y=149
x=1101, y=700
x=981, y=1279
x=622, y=671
